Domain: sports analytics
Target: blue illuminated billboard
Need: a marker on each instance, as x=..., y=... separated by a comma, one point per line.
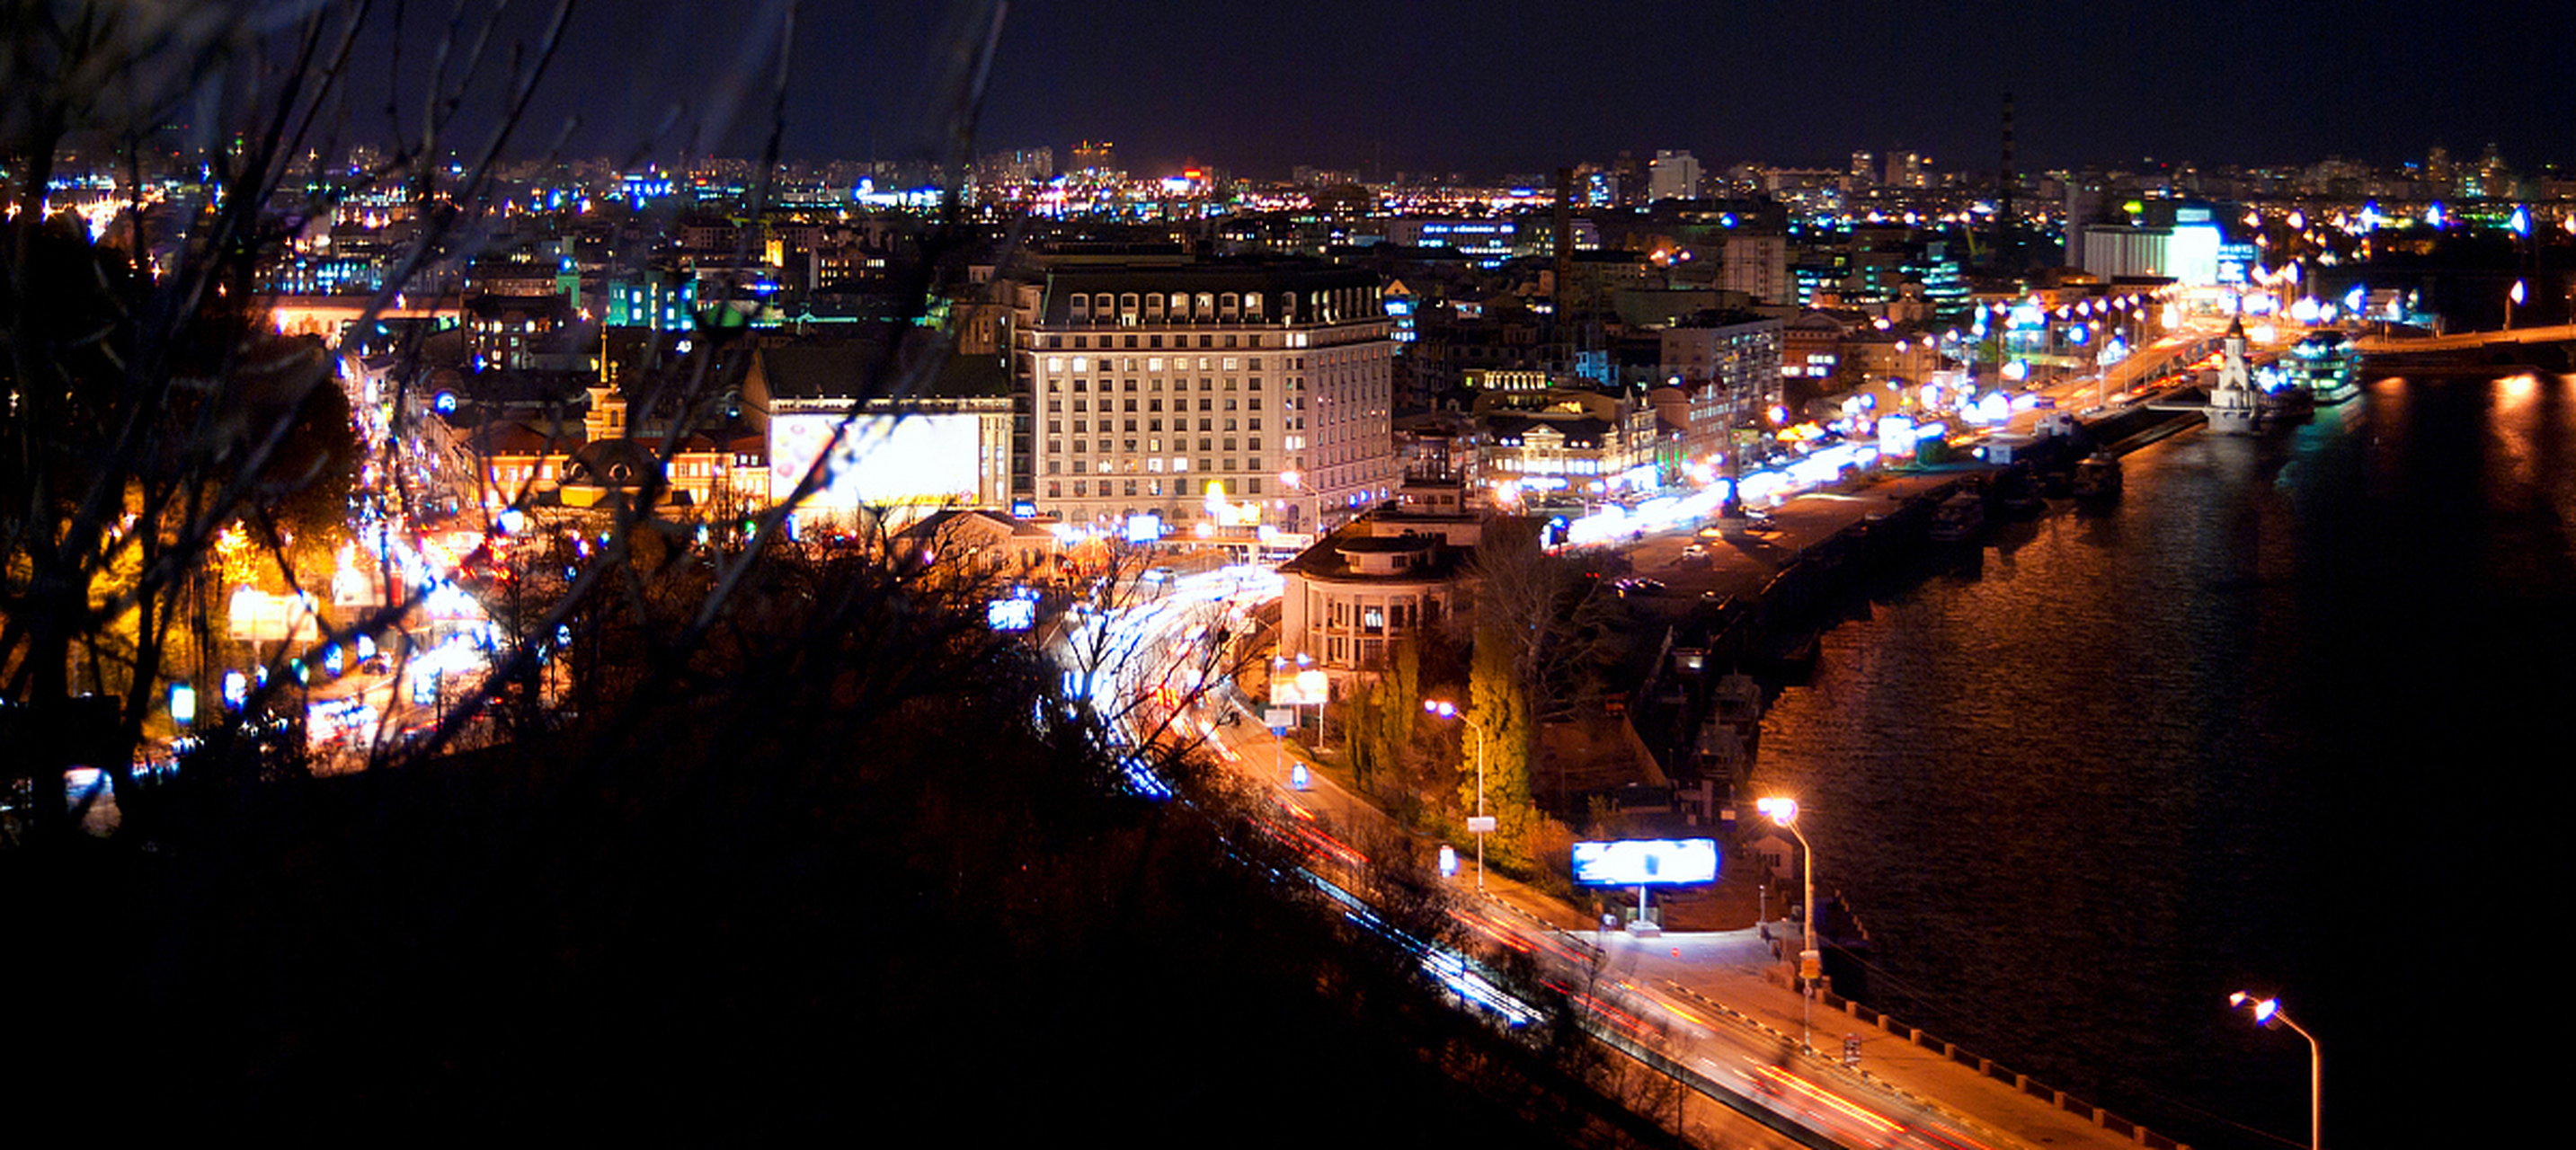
x=1017, y=614
x=1645, y=862
x=2236, y=263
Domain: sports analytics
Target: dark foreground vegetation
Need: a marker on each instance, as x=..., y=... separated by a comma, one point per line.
x=849, y=881
x=740, y=840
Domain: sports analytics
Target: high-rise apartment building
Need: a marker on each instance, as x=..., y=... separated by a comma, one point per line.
x=1243, y=394
x=1757, y=264
x=1730, y=370
x=1672, y=176
x=1095, y=158
x=1905, y=170
x=1016, y=166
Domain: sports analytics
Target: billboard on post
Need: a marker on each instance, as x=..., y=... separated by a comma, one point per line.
x=1303, y=689
x=1645, y=862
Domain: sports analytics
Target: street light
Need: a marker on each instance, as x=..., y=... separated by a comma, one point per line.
x=2267, y=1011
x=1482, y=824
x=1811, y=965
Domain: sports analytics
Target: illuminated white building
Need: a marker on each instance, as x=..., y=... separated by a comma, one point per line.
x=2186, y=252
x=1388, y=577
x=1562, y=439
x=1240, y=394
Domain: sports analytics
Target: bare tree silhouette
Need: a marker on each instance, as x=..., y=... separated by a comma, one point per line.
x=732, y=803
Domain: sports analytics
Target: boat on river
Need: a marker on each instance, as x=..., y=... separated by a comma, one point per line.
x=2326, y=366
x=2097, y=476
x=1958, y=518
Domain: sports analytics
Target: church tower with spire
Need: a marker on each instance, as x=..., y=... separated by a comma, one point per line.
x=2234, y=406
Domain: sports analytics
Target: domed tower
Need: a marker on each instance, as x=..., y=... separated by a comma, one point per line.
x=2233, y=403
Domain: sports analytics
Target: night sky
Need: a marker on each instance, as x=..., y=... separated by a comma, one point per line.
x=1485, y=87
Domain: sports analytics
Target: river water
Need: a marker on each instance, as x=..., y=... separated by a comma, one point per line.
x=2262, y=725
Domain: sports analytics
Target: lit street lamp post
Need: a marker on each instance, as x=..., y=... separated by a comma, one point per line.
x=1483, y=823
x=1784, y=811
x=2267, y=1011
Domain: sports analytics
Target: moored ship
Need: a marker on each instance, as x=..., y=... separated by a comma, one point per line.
x=1958, y=518
x=2098, y=476
x=2325, y=365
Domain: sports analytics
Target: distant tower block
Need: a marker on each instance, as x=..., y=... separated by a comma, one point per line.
x=1097, y=157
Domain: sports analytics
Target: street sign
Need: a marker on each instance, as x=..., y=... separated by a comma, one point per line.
x=1480, y=824
x=1279, y=719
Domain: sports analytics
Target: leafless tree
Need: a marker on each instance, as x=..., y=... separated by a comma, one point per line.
x=148, y=414
x=1562, y=624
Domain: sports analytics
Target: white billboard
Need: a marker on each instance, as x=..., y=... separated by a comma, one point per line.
x=1303, y=689
x=882, y=460
x=1645, y=862
x=260, y=617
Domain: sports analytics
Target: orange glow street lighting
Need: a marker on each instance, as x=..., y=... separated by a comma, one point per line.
x=1811, y=964
x=2267, y=1011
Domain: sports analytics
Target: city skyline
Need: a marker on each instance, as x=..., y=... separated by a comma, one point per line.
x=576, y=560
x=1465, y=88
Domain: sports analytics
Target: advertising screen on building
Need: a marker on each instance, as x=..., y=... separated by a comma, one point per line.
x=882, y=460
x=1645, y=862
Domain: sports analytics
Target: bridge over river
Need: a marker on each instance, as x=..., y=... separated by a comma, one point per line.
x=2382, y=345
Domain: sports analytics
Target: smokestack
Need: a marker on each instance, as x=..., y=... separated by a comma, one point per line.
x=2005, y=252
x=1564, y=237
x=1564, y=225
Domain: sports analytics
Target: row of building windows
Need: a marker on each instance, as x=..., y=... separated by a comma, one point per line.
x=1130, y=308
x=1055, y=364
x=1155, y=463
x=1206, y=403
x=1176, y=306
x=1156, y=385
x=1083, y=426
x=1134, y=488
x=1378, y=618
x=1106, y=342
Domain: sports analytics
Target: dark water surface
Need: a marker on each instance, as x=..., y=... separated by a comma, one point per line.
x=2293, y=717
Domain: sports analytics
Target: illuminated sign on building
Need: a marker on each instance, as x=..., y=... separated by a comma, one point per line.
x=881, y=460
x=2236, y=263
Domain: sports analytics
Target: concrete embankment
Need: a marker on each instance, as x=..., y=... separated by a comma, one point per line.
x=2127, y=430
x=1851, y=536
x=1759, y=601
